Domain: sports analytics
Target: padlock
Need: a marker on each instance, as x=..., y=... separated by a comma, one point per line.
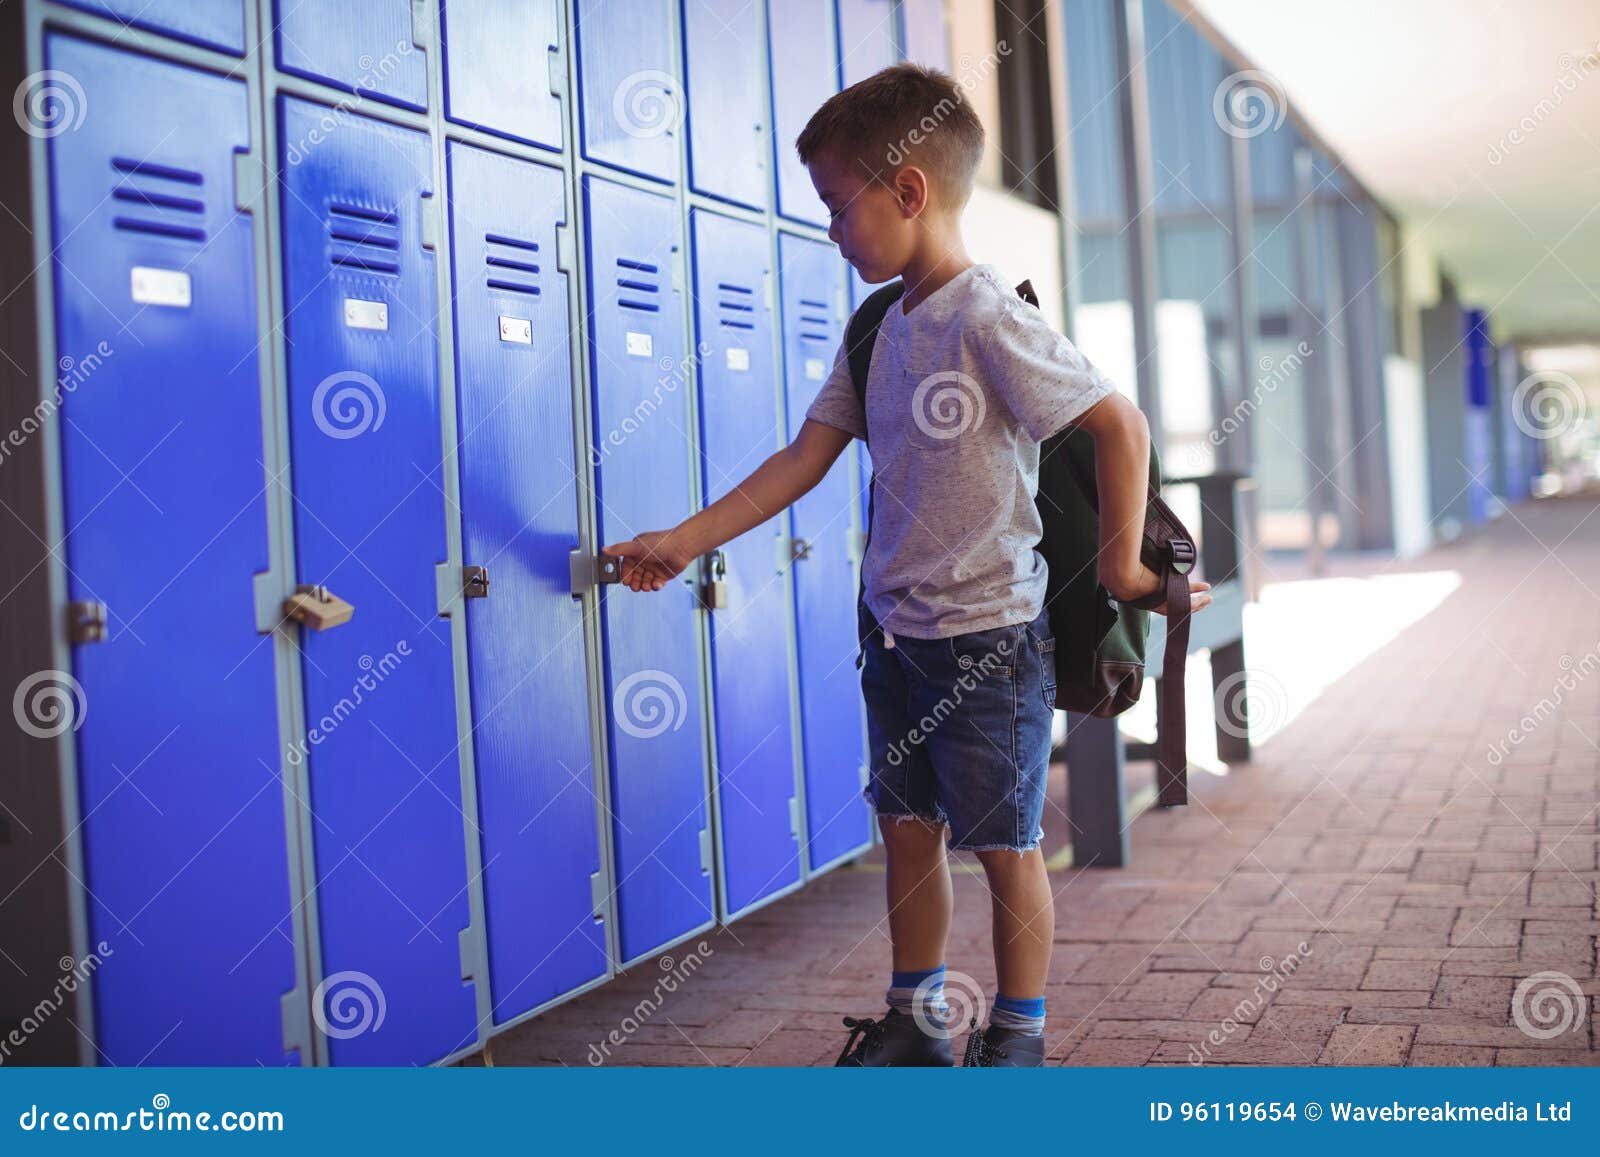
x=714, y=587
x=314, y=606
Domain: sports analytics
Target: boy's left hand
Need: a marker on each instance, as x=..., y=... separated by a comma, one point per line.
x=1148, y=582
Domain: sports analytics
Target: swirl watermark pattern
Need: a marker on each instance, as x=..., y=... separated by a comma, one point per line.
x=49, y=103
x=1548, y=1004
x=48, y=704
x=1251, y=695
x=647, y=103
x=650, y=702
x=964, y=1004
x=1249, y=103
x=347, y=404
x=1548, y=404
x=947, y=404
x=348, y=1004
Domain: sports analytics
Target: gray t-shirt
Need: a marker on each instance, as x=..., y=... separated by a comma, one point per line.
x=962, y=391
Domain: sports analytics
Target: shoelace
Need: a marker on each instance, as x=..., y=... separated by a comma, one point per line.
x=980, y=1053
x=867, y=1026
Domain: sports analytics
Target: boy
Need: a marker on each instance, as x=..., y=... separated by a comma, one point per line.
x=966, y=381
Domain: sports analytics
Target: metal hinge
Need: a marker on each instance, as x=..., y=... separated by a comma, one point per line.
x=705, y=851
x=86, y=621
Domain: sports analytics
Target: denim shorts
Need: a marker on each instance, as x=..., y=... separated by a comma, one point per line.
x=959, y=730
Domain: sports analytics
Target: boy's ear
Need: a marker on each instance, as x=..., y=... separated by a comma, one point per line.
x=911, y=189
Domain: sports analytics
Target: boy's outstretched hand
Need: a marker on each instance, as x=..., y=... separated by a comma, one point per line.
x=652, y=559
x=1149, y=582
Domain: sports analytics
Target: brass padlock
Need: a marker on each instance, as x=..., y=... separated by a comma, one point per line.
x=714, y=587
x=316, y=607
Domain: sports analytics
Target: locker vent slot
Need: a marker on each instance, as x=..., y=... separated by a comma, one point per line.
x=126, y=191
x=363, y=239
x=814, y=317
x=502, y=268
x=734, y=304
x=639, y=277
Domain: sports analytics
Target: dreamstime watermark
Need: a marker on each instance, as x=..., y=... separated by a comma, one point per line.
x=74, y=972
x=1548, y=404
x=1276, y=972
x=48, y=704
x=347, y=404
x=348, y=1004
x=1251, y=694
x=647, y=103
x=650, y=702
x=372, y=72
x=1249, y=103
x=49, y=103
x=947, y=404
x=967, y=77
x=1274, y=372
x=1548, y=1004
x=987, y=664
x=673, y=375
x=376, y=672
x=1573, y=71
x=71, y=373
x=674, y=973
x=1566, y=682
x=961, y=1004
x=161, y=1117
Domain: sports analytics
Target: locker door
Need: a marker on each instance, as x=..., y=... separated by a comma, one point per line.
x=660, y=826
x=503, y=69
x=361, y=46
x=359, y=302
x=859, y=292
x=926, y=39
x=727, y=100
x=800, y=37
x=867, y=38
x=537, y=803
x=757, y=793
x=838, y=820
x=215, y=24
x=166, y=525
x=631, y=99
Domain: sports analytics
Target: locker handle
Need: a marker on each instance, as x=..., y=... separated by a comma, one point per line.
x=314, y=606
x=593, y=570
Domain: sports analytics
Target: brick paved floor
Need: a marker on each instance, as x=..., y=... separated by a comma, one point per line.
x=1425, y=879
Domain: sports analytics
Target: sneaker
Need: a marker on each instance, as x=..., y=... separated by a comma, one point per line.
x=896, y=1041
x=1002, y=1048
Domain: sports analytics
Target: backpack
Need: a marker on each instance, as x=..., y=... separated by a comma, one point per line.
x=1099, y=642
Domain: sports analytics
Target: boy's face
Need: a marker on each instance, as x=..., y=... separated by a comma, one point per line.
x=872, y=219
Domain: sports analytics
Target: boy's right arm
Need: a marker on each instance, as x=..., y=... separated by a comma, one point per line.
x=654, y=558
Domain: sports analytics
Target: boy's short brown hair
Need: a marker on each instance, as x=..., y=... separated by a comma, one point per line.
x=906, y=114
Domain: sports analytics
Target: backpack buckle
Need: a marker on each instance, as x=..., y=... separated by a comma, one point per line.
x=1183, y=556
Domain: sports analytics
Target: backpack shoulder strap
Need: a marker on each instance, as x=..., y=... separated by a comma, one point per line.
x=862, y=333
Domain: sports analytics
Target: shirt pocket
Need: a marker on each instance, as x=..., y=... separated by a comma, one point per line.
x=943, y=407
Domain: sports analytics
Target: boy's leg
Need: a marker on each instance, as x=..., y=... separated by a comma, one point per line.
x=920, y=896
x=1024, y=920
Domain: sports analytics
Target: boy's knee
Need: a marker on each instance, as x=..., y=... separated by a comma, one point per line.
x=911, y=836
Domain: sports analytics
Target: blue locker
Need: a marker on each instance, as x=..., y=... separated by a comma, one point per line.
x=926, y=40
x=868, y=40
x=800, y=37
x=503, y=71
x=537, y=811
x=859, y=292
x=160, y=424
x=757, y=793
x=727, y=82
x=363, y=391
x=360, y=46
x=630, y=96
x=660, y=828
x=838, y=820
x=215, y=24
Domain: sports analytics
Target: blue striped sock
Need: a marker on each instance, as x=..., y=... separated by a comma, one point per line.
x=903, y=987
x=1025, y=1016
